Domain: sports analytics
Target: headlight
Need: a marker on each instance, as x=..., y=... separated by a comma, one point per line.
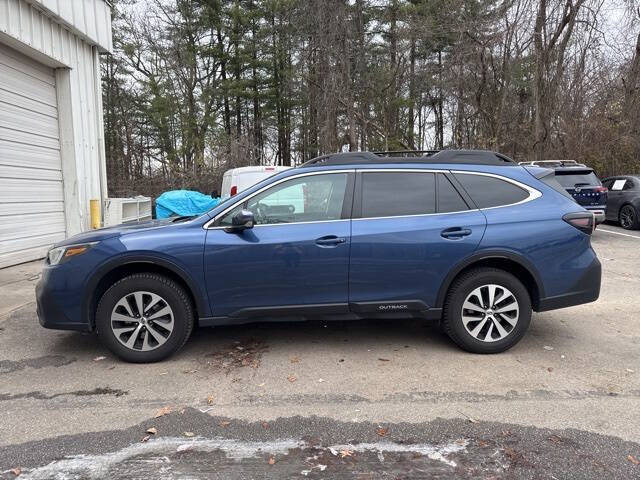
x=61, y=254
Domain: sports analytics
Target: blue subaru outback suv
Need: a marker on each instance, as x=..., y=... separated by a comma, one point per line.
x=468, y=238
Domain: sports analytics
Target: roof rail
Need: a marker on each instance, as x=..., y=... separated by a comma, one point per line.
x=553, y=163
x=477, y=157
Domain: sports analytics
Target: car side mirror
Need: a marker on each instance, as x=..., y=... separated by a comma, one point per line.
x=242, y=220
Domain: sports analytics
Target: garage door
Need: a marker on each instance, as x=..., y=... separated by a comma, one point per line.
x=31, y=194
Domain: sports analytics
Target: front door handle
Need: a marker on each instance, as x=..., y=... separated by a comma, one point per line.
x=330, y=241
x=455, y=233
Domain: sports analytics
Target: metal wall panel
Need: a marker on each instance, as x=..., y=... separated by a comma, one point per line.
x=31, y=187
x=49, y=27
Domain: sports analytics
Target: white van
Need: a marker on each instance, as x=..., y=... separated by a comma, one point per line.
x=238, y=179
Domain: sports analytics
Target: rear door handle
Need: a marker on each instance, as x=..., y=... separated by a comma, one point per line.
x=330, y=241
x=455, y=233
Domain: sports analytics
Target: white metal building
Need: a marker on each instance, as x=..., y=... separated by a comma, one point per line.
x=52, y=160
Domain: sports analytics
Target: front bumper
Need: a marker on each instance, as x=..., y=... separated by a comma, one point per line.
x=586, y=290
x=50, y=314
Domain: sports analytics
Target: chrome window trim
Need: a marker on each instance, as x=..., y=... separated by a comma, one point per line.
x=533, y=194
x=207, y=226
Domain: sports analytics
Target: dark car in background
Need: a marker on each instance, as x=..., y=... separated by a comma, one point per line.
x=623, y=204
x=581, y=182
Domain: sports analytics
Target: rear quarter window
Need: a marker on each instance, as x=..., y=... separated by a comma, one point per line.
x=489, y=192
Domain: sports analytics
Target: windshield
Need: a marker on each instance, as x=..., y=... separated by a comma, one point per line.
x=577, y=179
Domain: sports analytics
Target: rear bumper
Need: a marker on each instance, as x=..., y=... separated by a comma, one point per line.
x=50, y=315
x=586, y=290
x=599, y=215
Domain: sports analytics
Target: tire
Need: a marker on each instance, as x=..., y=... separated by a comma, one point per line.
x=475, y=287
x=166, y=324
x=628, y=218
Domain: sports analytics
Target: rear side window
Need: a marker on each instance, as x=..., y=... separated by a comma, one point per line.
x=449, y=200
x=581, y=178
x=489, y=192
x=397, y=193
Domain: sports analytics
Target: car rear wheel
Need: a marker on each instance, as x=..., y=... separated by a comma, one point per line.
x=144, y=318
x=629, y=218
x=487, y=310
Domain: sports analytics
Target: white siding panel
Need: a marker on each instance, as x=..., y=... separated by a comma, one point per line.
x=31, y=187
x=12, y=153
x=25, y=208
x=24, y=20
x=28, y=121
x=23, y=84
x=26, y=173
x=17, y=190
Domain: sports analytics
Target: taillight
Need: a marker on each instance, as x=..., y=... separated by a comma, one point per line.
x=601, y=189
x=583, y=221
x=234, y=190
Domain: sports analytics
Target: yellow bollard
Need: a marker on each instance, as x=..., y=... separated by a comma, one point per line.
x=95, y=213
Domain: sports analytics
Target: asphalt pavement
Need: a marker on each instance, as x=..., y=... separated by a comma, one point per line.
x=365, y=399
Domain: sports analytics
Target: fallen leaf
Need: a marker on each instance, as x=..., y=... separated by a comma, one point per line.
x=16, y=471
x=265, y=425
x=384, y=359
x=548, y=347
x=152, y=430
x=188, y=434
x=292, y=378
x=272, y=460
x=145, y=438
x=550, y=369
x=224, y=423
x=482, y=443
x=633, y=460
x=163, y=411
x=382, y=431
x=210, y=399
x=346, y=453
x=99, y=359
x=295, y=359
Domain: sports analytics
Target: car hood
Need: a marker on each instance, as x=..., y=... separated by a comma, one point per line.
x=108, y=232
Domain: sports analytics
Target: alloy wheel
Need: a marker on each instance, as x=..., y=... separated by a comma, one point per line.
x=490, y=313
x=142, y=321
x=627, y=216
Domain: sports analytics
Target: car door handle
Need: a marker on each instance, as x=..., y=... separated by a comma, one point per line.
x=330, y=241
x=455, y=233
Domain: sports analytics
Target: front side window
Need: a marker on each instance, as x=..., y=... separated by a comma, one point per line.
x=391, y=194
x=489, y=192
x=311, y=198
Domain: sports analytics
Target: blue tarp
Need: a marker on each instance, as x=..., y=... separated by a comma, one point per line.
x=183, y=203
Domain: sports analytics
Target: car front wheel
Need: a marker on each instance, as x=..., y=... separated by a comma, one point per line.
x=487, y=311
x=144, y=318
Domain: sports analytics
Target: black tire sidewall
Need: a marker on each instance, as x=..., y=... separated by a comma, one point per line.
x=635, y=223
x=171, y=292
x=462, y=288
